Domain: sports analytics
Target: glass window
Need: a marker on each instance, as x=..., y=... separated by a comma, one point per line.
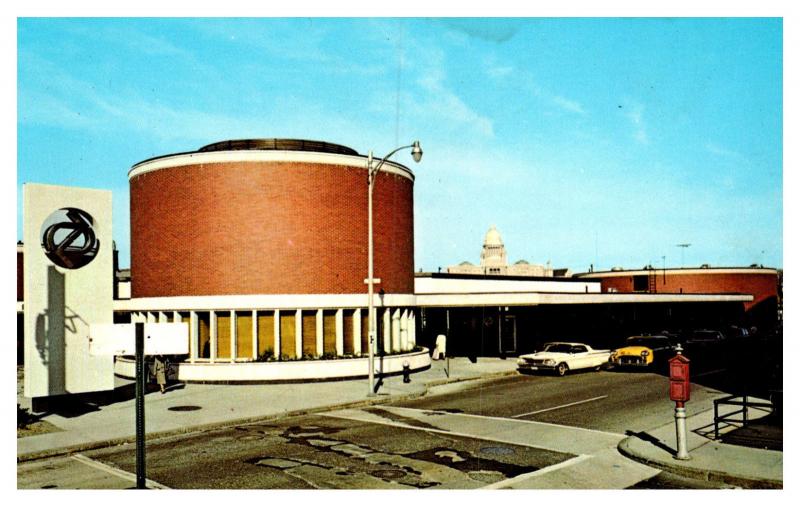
x=244, y=334
x=224, y=334
x=204, y=334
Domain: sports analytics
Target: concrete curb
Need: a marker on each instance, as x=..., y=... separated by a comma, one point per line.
x=710, y=475
x=68, y=450
x=447, y=381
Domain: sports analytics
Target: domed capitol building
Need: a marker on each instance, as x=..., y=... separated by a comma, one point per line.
x=494, y=261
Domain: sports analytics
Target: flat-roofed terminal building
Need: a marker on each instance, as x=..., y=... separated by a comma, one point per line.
x=260, y=246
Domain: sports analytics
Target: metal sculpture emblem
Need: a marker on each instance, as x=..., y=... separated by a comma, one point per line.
x=68, y=238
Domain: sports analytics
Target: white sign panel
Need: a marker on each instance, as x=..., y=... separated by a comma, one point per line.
x=68, y=275
x=120, y=339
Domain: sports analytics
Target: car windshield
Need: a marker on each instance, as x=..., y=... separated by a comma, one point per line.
x=644, y=341
x=558, y=348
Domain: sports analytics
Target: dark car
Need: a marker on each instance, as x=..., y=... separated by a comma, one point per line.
x=705, y=337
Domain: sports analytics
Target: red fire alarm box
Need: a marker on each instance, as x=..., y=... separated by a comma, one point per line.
x=679, y=378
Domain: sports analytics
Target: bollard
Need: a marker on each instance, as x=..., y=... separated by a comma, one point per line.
x=406, y=372
x=680, y=430
x=679, y=391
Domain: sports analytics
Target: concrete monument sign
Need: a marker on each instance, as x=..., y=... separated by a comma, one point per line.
x=68, y=270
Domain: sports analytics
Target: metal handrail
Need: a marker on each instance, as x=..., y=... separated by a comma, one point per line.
x=730, y=417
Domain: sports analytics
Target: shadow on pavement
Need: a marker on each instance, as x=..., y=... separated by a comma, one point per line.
x=644, y=436
x=74, y=405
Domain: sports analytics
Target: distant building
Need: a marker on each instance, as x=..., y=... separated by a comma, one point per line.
x=763, y=283
x=494, y=261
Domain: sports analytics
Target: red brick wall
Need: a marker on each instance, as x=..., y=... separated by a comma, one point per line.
x=267, y=227
x=760, y=285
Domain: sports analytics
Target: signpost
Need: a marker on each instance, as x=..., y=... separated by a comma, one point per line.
x=141, y=383
x=139, y=339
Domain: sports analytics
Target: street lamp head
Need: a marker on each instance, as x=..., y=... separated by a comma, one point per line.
x=416, y=152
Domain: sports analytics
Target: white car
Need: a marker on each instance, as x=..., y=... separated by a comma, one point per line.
x=562, y=357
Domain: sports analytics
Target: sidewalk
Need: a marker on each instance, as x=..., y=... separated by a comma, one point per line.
x=190, y=407
x=186, y=408
x=710, y=460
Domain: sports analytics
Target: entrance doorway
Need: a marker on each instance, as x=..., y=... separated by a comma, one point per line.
x=508, y=334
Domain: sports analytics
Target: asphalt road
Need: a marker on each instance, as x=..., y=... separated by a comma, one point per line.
x=608, y=400
x=517, y=432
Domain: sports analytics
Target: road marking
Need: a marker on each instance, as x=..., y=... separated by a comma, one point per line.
x=585, y=443
x=125, y=475
x=431, y=429
x=500, y=418
x=559, y=407
x=538, y=472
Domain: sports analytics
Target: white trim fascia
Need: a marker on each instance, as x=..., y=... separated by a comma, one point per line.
x=674, y=272
x=273, y=156
x=265, y=302
x=532, y=299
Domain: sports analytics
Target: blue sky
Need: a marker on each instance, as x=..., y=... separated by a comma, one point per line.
x=585, y=141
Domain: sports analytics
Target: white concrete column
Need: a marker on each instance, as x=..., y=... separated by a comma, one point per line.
x=404, y=330
x=255, y=334
x=193, y=337
x=233, y=336
x=396, y=330
x=298, y=333
x=412, y=330
x=276, y=320
x=387, y=330
x=151, y=317
x=213, y=316
x=320, y=333
x=357, y=332
x=162, y=317
x=176, y=317
x=339, y=332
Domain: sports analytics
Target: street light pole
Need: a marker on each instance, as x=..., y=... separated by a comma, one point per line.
x=416, y=152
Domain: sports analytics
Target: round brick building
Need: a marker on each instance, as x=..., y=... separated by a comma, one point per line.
x=261, y=247
x=267, y=217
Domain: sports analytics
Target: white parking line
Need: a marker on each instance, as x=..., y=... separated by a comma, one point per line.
x=561, y=406
x=125, y=475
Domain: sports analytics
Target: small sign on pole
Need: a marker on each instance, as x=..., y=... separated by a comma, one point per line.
x=139, y=339
x=120, y=339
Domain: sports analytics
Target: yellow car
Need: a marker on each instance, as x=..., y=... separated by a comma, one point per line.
x=642, y=351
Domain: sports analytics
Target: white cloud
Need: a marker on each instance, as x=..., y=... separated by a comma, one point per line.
x=499, y=72
x=567, y=104
x=438, y=101
x=634, y=112
x=716, y=149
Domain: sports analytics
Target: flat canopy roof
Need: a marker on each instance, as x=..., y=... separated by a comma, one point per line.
x=534, y=299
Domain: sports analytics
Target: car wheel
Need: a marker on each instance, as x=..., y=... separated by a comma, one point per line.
x=562, y=369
